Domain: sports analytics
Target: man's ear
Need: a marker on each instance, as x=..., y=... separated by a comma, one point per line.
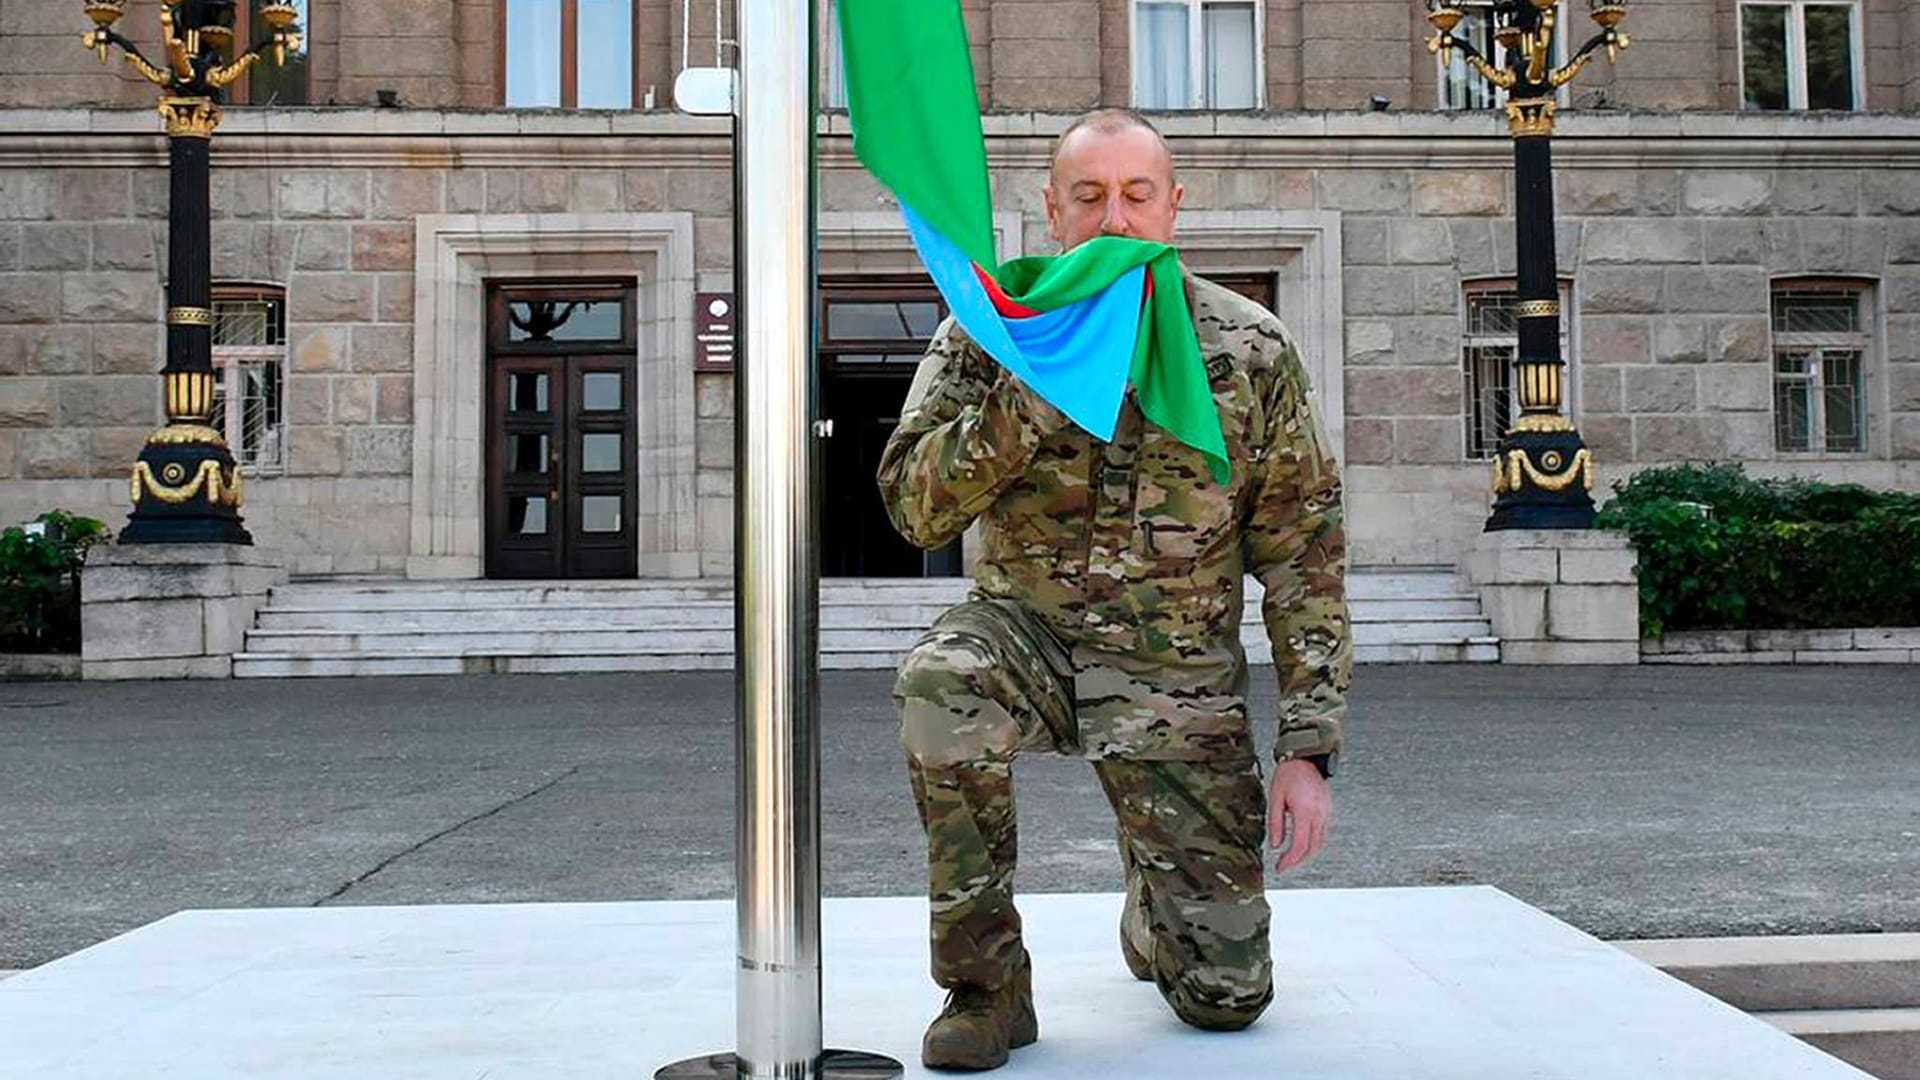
x=1178, y=195
x=1053, y=213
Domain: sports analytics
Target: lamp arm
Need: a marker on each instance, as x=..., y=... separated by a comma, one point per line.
x=1610, y=40
x=106, y=35
x=221, y=77
x=1498, y=76
x=177, y=56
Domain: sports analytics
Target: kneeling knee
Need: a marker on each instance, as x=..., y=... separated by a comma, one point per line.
x=945, y=718
x=1216, y=1008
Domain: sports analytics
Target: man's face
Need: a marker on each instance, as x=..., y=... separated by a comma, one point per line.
x=1112, y=183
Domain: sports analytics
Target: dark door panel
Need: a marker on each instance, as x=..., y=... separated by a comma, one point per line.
x=872, y=336
x=525, y=514
x=561, y=445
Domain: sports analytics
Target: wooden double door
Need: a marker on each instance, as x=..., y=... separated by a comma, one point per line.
x=561, y=449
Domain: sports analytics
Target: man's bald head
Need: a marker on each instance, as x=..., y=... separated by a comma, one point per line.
x=1111, y=175
x=1108, y=122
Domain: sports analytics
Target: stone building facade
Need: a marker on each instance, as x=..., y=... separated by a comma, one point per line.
x=1740, y=284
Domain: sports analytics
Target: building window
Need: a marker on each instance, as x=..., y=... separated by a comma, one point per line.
x=250, y=361
x=1490, y=350
x=568, y=54
x=833, y=68
x=1796, y=54
x=1822, y=337
x=1461, y=87
x=1197, y=54
x=268, y=83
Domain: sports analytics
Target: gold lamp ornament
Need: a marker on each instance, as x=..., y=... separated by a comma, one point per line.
x=104, y=14
x=186, y=486
x=1543, y=471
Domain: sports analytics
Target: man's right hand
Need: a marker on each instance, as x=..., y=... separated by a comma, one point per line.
x=1299, y=811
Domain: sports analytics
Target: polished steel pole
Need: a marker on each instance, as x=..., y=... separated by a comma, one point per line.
x=776, y=570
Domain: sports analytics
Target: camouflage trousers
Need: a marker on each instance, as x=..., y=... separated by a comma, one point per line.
x=988, y=682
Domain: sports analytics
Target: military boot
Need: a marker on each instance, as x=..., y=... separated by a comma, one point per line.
x=979, y=1027
x=1136, y=935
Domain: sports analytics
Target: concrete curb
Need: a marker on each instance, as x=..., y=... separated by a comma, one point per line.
x=39, y=666
x=1855, y=996
x=1796, y=973
x=1884, y=1042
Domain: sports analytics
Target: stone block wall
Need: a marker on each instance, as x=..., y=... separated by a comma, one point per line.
x=42, y=63
x=413, y=47
x=1559, y=596
x=1359, y=48
x=1670, y=275
x=80, y=311
x=171, y=611
x=1910, y=58
x=1046, y=53
x=82, y=254
x=1028, y=55
x=1669, y=264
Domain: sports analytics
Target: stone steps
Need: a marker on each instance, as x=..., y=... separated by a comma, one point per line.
x=1855, y=996
x=1884, y=1042
x=332, y=627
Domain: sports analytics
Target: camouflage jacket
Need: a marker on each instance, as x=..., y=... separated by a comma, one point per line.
x=1129, y=553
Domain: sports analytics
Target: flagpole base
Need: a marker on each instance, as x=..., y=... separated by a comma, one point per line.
x=834, y=1065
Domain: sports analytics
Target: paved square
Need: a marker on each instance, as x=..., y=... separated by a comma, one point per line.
x=1394, y=984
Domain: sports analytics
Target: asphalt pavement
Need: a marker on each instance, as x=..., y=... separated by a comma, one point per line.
x=1632, y=802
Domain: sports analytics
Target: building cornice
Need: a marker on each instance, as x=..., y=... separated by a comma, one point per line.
x=389, y=138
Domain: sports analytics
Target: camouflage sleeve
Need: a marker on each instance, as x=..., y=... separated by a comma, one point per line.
x=1296, y=546
x=967, y=431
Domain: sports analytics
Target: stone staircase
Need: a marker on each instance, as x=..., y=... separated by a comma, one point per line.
x=340, y=627
x=1856, y=996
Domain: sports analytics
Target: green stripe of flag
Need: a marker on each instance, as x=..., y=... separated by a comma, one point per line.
x=916, y=121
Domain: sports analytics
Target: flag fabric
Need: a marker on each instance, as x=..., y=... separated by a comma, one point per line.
x=1077, y=328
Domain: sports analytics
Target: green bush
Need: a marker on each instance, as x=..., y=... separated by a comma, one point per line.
x=40, y=582
x=1720, y=550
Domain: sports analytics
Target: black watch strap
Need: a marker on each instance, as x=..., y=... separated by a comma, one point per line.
x=1327, y=763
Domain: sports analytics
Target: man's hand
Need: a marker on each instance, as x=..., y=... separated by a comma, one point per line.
x=1299, y=810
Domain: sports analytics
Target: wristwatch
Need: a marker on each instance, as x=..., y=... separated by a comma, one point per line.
x=1327, y=763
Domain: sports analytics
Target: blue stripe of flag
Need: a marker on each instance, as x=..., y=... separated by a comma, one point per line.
x=1077, y=357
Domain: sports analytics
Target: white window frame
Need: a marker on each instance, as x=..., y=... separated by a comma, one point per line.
x=1797, y=49
x=1498, y=99
x=1197, y=50
x=1863, y=341
x=833, y=67
x=230, y=363
x=1469, y=340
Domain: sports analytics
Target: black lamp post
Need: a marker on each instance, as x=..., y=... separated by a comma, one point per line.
x=1543, y=473
x=186, y=487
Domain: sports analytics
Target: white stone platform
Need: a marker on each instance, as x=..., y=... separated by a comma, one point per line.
x=1393, y=984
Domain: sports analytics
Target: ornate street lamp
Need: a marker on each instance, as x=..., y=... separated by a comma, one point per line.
x=1543, y=473
x=186, y=487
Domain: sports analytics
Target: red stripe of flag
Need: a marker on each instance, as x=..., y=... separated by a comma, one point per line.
x=1002, y=303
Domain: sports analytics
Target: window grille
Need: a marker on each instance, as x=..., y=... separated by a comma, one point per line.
x=1490, y=350
x=249, y=357
x=1821, y=341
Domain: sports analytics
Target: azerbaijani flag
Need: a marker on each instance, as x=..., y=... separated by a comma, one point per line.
x=1077, y=327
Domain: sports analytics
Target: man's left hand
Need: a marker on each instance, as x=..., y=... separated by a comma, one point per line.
x=1299, y=810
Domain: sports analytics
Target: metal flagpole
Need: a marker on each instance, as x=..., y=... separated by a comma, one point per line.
x=776, y=570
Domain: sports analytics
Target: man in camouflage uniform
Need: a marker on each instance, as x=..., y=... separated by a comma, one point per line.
x=1104, y=623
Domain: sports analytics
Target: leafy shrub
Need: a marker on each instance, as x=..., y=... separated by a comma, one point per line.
x=1720, y=550
x=40, y=582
